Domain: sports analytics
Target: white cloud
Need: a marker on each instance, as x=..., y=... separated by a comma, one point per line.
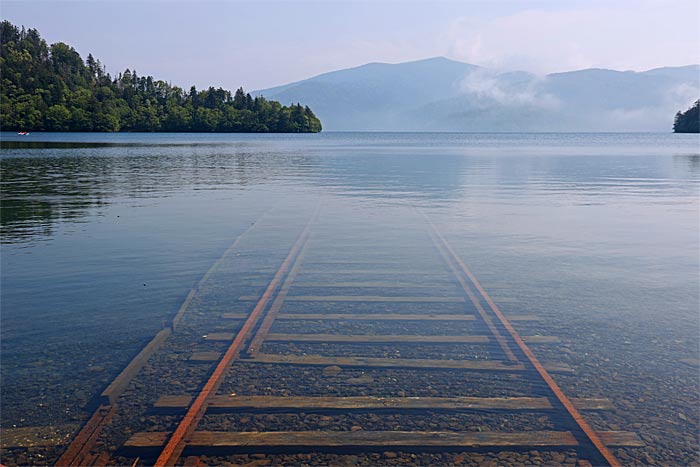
x=625, y=35
x=682, y=95
x=485, y=84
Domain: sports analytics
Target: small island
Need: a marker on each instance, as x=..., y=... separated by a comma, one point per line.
x=51, y=88
x=688, y=121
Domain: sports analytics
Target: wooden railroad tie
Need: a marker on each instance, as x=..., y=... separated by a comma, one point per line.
x=373, y=285
x=380, y=316
x=376, y=316
x=369, y=440
x=369, y=403
x=392, y=272
x=362, y=298
x=475, y=365
x=368, y=338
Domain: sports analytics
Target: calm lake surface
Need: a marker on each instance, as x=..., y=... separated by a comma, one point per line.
x=103, y=235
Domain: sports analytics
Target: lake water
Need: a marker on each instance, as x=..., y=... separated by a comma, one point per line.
x=103, y=235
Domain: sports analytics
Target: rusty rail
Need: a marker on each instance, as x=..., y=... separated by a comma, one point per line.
x=544, y=374
x=264, y=329
x=516, y=357
x=175, y=445
x=475, y=301
x=85, y=439
x=84, y=442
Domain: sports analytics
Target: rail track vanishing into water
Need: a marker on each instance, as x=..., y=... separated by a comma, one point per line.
x=310, y=339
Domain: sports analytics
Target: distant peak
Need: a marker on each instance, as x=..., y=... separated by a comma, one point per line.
x=421, y=61
x=434, y=60
x=437, y=59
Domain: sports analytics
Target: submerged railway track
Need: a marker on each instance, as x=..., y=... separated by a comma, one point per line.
x=337, y=342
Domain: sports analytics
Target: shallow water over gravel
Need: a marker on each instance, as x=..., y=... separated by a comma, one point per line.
x=597, y=235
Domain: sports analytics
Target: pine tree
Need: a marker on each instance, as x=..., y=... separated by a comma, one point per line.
x=688, y=121
x=51, y=88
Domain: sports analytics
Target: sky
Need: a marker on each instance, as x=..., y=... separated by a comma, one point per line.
x=264, y=43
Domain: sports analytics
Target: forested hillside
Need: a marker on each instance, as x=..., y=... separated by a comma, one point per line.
x=439, y=94
x=688, y=121
x=51, y=88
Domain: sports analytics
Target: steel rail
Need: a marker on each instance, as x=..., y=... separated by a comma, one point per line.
x=544, y=374
x=264, y=329
x=475, y=301
x=176, y=443
x=85, y=439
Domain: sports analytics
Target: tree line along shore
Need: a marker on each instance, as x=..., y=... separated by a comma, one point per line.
x=688, y=121
x=50, y=88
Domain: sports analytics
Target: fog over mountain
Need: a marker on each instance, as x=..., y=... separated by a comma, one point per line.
x=439, y=94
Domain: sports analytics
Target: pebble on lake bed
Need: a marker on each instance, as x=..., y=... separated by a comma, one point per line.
x=331, y=371
x=360, y=380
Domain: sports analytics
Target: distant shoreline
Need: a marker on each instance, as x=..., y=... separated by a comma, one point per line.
x=51, y=88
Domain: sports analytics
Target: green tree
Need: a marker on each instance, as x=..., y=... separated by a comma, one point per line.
x=50, y=88
x=688, y=121
x=58, y=118
x=106, y=122
x=239, y=100
x=80, y=120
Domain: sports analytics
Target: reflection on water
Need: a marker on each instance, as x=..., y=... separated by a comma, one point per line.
x=51, y=180
x=103, y=236
x=39, y=191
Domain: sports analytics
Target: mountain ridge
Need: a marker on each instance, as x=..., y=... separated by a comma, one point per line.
x=441, y=94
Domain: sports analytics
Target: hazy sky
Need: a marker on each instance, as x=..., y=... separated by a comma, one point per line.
x=264, y=43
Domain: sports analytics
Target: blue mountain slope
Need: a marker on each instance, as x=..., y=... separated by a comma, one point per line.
x=439, y=94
